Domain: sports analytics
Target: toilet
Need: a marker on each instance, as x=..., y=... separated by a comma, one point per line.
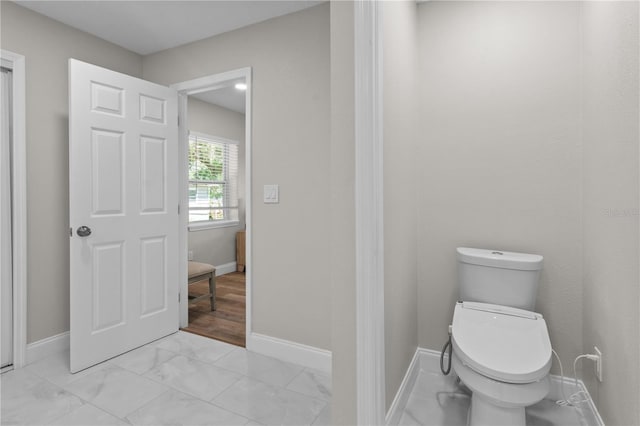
x=501, y=347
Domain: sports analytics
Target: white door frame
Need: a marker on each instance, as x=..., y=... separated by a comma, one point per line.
x=192, y=87
x=16, y=63
x=369, y=221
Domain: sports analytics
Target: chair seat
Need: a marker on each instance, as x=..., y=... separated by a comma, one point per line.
x=197, y=269
x=199, y=272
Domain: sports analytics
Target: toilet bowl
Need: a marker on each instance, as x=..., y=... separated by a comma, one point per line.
x=503, y=355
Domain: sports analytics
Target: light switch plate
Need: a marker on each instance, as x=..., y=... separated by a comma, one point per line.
x=271, y=194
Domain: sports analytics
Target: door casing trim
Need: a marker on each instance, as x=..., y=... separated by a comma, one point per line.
x=369, y=209
x=16, y=63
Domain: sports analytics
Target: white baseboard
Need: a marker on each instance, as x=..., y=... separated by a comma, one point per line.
x=46, y=347
x=297, y=353
x=429, y=360
x=400, y=401
x=226, y=268
x=592, y=406
x=570, y=387
x=568, y=384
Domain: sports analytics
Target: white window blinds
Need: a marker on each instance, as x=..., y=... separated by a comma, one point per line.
x=213, y=179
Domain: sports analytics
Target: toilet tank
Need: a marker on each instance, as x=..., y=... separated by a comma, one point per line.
x=498, y=277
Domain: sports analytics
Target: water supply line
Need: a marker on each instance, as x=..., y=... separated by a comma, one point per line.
x=444, y=349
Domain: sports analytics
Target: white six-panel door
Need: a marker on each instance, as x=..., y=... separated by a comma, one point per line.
x=123, y=182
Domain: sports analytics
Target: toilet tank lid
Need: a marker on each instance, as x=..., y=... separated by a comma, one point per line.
x=500, y=259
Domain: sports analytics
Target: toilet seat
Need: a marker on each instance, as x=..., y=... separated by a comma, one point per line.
x=506, y=344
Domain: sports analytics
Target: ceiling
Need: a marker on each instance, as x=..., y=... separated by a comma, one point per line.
x=227, y=97
x=147, y=27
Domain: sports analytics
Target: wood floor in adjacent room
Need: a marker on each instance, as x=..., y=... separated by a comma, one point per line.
x=227, y=322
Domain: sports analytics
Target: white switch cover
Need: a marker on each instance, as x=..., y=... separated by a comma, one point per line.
x=271, y=194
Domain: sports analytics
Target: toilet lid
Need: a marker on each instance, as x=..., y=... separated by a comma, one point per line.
x=503, y=343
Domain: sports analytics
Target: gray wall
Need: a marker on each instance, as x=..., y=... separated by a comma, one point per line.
x=217, y=246
x=500, y=154
x=342, y=230
x=47, y=46
x=611, y=190
x=400, y=242
x=290, y=60
x=529, y=142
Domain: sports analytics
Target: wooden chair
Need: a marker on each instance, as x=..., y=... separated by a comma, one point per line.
x=200, y=272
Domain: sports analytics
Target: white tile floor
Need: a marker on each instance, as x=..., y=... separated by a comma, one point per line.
x=439, y=401
x=181, y=379
x=188, y=379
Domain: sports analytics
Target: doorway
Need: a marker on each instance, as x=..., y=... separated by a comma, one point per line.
x=215, y=141
x=13, y=266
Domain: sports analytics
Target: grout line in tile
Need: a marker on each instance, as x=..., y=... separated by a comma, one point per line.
x=249, y=419
x=320, y=413
x=126, y=417
x=54, y=418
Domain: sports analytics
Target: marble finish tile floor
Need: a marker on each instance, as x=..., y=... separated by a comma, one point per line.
x=182, y=379
x=438, y=400
x=186, y=379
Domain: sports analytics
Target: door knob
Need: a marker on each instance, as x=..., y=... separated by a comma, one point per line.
x=83, y=231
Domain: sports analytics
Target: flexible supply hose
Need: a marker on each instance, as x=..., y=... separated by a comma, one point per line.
x=444, y=349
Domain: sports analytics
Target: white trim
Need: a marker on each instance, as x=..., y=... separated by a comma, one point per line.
x=285, y=350
x=226, y=268
x=590, y=403
x=213, y=82
x=427, y=356
x=570, y=387
x=555, y=392
x=212, y=224
x=402, y=396
x=370, y=349
x=19, y=205
x=47, y=347
x=248, y=216
x=183, y=193
x=185, y=89
x=427, y=359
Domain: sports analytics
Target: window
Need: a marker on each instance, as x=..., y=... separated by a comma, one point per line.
x=213, y=180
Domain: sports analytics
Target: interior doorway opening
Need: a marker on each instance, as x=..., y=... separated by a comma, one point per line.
x=215, y=185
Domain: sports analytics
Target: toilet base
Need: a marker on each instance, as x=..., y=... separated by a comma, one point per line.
x=496, y=403
x=483, y=413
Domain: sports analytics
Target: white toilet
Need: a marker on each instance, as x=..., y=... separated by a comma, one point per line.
x=501, y=348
